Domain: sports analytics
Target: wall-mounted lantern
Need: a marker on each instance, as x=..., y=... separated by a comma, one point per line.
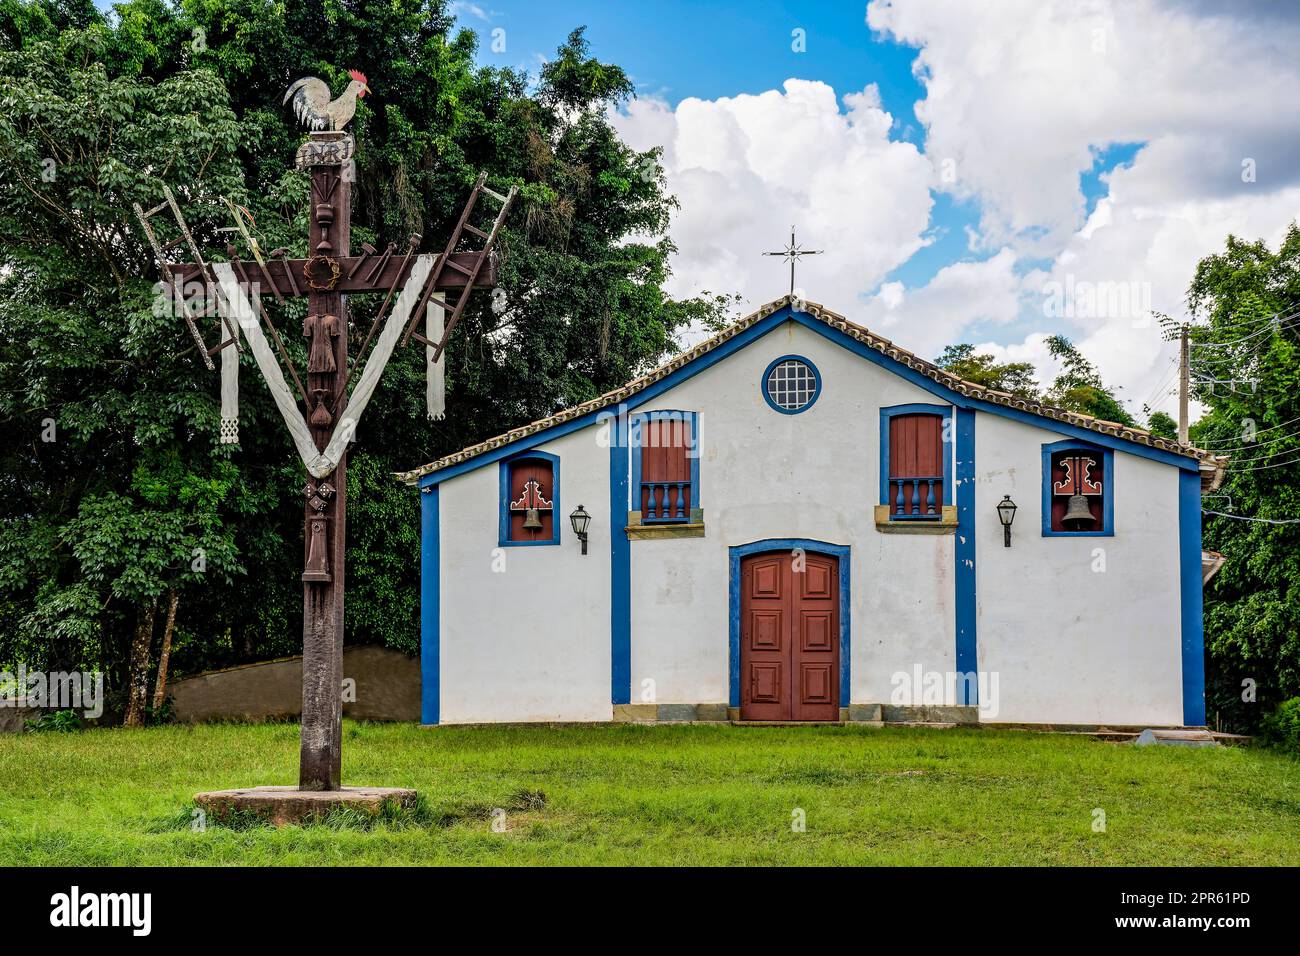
x=580, y=519
x=1006, y=514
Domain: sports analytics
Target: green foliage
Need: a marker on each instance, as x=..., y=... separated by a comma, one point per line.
x=99, y=111
x=983, y=369
x=1079, y=388
x=1252, y=606
x=1282, y=727
x=1162, y=424
x=56, y=721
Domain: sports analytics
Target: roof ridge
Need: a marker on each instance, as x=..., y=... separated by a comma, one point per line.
x=858, y=332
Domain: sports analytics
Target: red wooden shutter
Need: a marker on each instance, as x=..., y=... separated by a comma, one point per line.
x=915, y=464
x=665, y=465
x=521, y=473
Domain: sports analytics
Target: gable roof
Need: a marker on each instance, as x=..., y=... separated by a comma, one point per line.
x=1211, y=466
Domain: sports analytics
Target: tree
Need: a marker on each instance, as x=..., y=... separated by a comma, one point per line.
x=983, y=369
x=1079, y=387
x=1161, y=423
x=1252, y=606
x=189, y=94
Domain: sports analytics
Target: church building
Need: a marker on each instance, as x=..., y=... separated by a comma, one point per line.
x=797, y=520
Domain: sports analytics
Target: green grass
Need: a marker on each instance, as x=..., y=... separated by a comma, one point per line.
x=657, y=795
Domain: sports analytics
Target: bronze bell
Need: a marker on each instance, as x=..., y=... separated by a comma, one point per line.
x=1077, y=514
x=532, y=520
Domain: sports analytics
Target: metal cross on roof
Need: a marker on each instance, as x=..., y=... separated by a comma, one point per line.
x=791, y=254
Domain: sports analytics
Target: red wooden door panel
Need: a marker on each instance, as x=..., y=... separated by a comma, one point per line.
x=789, y=638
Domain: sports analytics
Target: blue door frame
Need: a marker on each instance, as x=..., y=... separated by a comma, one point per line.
x=738, y=553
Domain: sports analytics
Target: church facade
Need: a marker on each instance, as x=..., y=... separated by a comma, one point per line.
x=797, y=520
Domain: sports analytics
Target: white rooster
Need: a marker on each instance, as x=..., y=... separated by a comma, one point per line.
x=315, y=110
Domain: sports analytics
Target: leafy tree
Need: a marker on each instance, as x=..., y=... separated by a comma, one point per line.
x=1161, y=423
x=983, y=369
x=1252, y=606
x=95, y=525
x=1079, y=388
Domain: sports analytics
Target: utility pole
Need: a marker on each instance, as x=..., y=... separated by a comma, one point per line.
x=1184, y=377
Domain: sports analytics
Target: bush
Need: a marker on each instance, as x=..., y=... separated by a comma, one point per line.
x=1282, y=727
x=61, y=721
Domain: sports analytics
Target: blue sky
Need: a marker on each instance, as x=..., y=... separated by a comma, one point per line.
x=674, y=50
x=978, y=172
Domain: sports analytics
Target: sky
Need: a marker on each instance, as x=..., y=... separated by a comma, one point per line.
x=976, y=172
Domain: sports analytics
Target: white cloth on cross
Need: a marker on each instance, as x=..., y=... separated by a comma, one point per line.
x=435, y=379
x=230, y=394
x=318, y=463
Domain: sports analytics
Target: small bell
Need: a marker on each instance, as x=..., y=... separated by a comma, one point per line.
x=532, y=520
x=1077, y=514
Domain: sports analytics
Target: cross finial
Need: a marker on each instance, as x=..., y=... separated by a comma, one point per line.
x=791, y=254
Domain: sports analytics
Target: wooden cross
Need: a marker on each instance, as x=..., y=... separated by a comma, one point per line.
x=791, y=254
x=327, y=277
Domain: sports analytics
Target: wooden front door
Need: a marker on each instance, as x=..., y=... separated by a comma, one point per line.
x=789, y=637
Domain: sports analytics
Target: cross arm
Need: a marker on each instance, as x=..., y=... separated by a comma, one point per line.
x=355, y=273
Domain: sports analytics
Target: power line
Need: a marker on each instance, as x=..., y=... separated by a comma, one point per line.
x=1222, y=514
x=1257, y=322
x=1238, y=462
x=1262, y=431
x=1276, y=464
x=1233, y=343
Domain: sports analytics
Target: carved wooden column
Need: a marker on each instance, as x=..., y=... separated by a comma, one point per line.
x=326, y=509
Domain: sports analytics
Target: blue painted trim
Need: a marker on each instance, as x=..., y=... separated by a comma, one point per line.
x=430, y=612
x=761, y=328
x=620, y=570
x=635, y=422
x=738, y=552
x=1107, y=484
x=817, y=392
x=1189, y=551
x=963, y=549
x=913, y=408
x=503, y=505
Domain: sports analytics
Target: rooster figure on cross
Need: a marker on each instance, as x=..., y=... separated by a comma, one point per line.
x=315, y=109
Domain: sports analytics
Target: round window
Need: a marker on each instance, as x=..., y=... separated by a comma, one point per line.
x=791, y=384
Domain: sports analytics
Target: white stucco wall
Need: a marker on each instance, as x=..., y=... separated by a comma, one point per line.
x=1071, y=644
x=531, y=642
x=767, y=475
x=1067, y=644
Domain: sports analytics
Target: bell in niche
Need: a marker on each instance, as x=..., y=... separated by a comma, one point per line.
x=532, y=520
x=1077, y=513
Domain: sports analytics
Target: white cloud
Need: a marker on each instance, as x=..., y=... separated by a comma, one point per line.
x=924, y=320
x=745, y=168
x=1021, y=94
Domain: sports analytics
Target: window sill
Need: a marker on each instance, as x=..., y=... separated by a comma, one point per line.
x=947, y=523
x=637, y=531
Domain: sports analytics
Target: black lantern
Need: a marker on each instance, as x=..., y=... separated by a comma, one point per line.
x=1006, y=514
x=580, y=519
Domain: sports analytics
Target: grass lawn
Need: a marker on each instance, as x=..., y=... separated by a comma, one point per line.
x=627, y=794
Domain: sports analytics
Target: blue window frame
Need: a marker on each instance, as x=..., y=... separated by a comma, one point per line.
x=916, y=488
x=506, y=470
x=659, y=501
x=791, y=384
x=1107, y=508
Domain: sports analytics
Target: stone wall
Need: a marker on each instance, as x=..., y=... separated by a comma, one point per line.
x=387, y=688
